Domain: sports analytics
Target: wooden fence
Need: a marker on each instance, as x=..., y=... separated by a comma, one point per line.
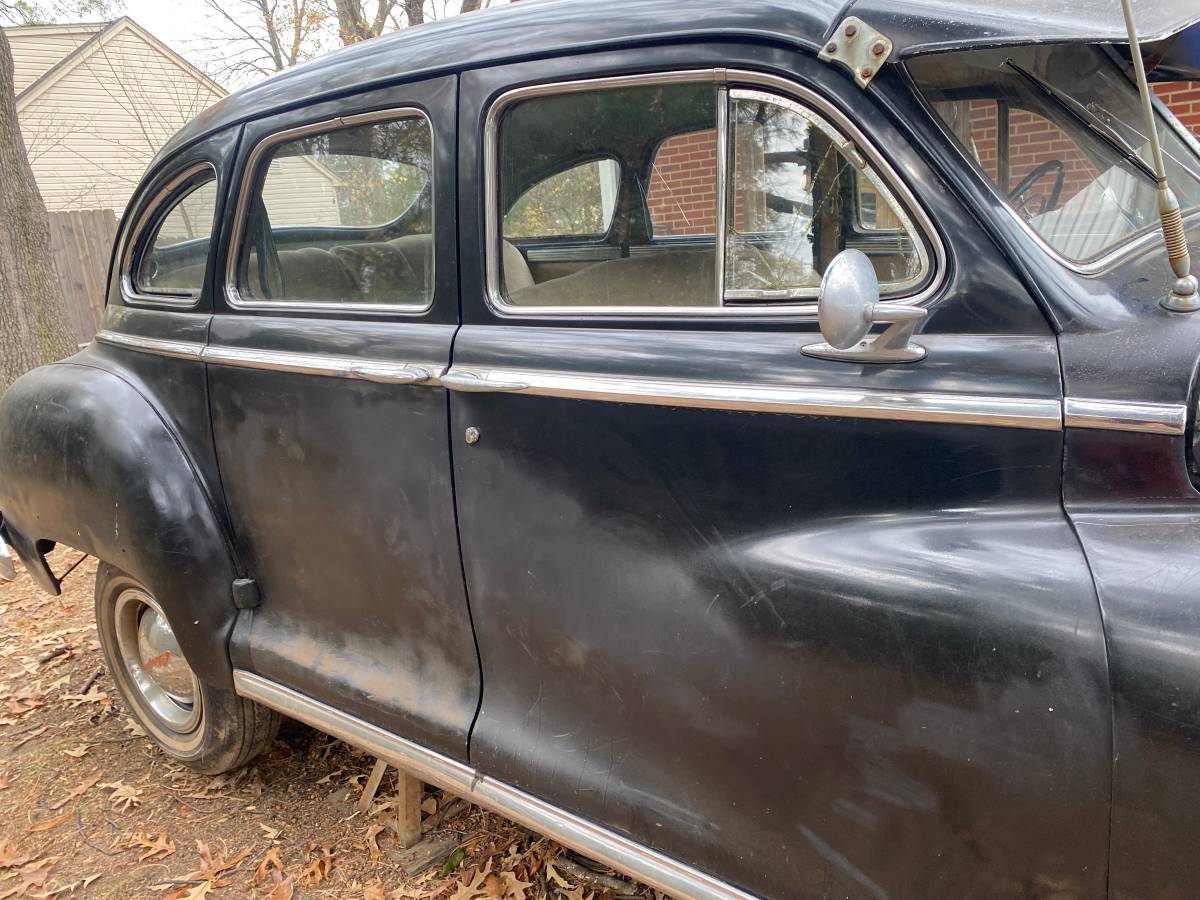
x=81, y=241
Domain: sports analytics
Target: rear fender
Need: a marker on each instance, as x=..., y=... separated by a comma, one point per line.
x=87, y=461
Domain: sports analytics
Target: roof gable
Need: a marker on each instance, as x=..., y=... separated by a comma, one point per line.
x=96, y=43
x=36, y=49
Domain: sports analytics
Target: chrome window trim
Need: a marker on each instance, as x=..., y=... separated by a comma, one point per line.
x=849, y=150
x=786, y=89
x=963, y=409
x=160, y=346
x=649, y=866
x=131, y=242
x=354, y=368
x=250, y=175
x=1125, y=415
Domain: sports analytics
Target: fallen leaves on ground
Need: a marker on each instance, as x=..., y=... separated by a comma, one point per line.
x=283, y=828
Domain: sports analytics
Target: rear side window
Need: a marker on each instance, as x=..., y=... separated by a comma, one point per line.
x=342, y=215
x=172, y=259
x=578, y=202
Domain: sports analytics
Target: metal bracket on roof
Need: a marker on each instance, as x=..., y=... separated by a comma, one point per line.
x=858, y=47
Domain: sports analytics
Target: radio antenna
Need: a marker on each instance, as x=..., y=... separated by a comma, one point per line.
x=1184, y=295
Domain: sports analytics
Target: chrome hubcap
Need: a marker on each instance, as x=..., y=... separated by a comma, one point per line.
x=154, y=662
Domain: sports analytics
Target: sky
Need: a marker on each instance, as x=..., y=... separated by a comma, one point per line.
x=177, y=23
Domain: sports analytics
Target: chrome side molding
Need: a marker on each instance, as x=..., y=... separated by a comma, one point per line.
x=634, y=859
x=176, y=349
x=1123, y=415
x=963, y=409
x=350, y=367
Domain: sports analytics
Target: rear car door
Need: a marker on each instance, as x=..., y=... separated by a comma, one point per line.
x=818, y=626
x=340, y=302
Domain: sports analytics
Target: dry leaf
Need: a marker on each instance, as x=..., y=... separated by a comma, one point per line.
x=373, y=832
x=374, y=891
x=33, y=875
x=154, y=847
x=429, y=806
x=50, y=823
x=123, y=795
x=271, y=862
x=80, y=884
x=10, y=858
x=78, y=791
x=5, y=781
x=78, y=752
x=271, y=833
x=318, y=869
x=134, y=728
x=193, y=892
x=94, y=695
x=472, y=883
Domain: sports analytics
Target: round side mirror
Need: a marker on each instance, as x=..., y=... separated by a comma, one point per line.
x=846, y=302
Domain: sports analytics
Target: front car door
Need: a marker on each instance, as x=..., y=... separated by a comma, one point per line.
x=339, y=306
x=818, y=626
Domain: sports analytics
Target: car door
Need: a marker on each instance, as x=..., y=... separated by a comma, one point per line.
x=339, y=305
x=817, y=626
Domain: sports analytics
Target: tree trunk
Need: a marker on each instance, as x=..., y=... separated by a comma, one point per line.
x=470, y=5
x=415, y=9
x=34, y=326
x=352, y=25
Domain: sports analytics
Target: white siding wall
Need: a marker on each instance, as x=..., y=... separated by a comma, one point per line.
x=36, y=50
x=299, y=192
x=91, y=135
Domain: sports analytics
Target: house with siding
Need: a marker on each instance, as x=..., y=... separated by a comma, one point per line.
x=95, y=102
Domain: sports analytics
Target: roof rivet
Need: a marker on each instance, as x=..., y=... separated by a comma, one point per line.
x=878, y=47
x=851, y=30
x=866, y=72
x=831, y=47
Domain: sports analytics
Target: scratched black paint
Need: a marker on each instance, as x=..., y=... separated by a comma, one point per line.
x=815, y=656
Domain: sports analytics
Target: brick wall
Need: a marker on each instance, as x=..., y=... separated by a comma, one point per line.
x=682, y=195
x=683, y=185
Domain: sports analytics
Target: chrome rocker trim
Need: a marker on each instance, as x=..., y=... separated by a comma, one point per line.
x=1123, y=415
x=640, y=862
x=963, y=409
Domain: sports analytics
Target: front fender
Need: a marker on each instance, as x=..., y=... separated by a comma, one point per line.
x=87, y=461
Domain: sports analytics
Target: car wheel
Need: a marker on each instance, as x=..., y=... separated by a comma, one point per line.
x=207, y=728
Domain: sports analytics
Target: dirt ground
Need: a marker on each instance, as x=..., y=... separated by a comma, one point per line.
x=90, y=808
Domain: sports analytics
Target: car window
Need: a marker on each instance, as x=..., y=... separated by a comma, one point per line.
x=782, y=186
x=343, y=216
x=546, y=135
x=1054, y=128
x=796, y=201
x=683, y=178
x=173, y=259
x=578, y=202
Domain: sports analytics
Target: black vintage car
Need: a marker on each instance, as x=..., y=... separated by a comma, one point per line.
x=501, y=398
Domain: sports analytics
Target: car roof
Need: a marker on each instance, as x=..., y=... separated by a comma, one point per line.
x=538, y=28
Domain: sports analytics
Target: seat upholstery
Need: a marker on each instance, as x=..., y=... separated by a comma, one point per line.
x=682, y=277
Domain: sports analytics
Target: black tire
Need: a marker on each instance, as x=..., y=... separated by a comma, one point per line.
x=209, y=729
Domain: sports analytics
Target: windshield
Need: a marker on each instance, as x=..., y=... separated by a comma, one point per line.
x=1059, y=129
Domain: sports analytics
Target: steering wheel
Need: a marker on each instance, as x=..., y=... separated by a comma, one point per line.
x=1020, y=201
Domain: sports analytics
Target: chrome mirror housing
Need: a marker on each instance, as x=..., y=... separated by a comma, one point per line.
x=848, y=305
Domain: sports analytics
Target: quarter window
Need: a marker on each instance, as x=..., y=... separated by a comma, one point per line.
x=579, y=202
x=797, y=200
x=173, y=259
x=343, y=216
x=639, y=197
